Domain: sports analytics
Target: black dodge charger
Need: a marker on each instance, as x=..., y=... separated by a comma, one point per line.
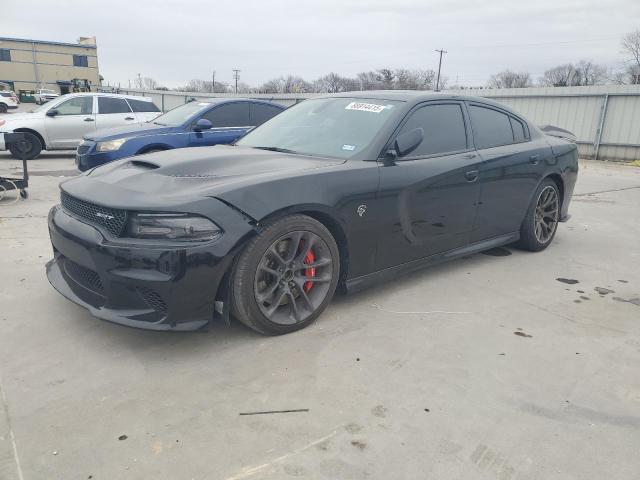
x=339, y=191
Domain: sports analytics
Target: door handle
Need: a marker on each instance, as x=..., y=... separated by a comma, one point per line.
x=472, y=175
x=534, y=159
x=129, y=118
x=88, y=119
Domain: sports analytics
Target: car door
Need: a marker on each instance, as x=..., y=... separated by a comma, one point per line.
x=429, y=198
x=74, y=118
x=511, y=168
x=113, y=112
x=229, y=120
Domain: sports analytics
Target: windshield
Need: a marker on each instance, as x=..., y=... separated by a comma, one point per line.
x=332, y=127
x=180, y=114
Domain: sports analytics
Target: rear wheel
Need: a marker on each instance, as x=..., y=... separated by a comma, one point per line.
x=29, y=149
x=286, y=276
x=3, y=108
x=541, y=222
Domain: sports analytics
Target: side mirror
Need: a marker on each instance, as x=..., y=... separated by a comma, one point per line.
x=52, y=113
x=203, y=124
x=408, y=141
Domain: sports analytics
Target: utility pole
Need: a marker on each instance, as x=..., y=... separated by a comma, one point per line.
x=236, y=76
x=140, y=81
x=213, y=82
x=439, y=67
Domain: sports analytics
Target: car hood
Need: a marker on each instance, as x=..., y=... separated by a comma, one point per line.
x=174, y=177
x=128, y=131
x=15, y=118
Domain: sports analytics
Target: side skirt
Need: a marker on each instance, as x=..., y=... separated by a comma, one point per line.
x=360, y=283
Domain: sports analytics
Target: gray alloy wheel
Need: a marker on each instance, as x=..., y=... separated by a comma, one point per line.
x=285, y=276
x=541, y=220
x=293, y=277
x=546, y=214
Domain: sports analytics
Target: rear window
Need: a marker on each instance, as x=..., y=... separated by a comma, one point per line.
x=261, y=112
x=107, y=105
x=142, y=106
x=491, y=128
x=229, y=115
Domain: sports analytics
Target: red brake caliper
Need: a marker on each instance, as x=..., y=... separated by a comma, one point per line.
x=309, y=272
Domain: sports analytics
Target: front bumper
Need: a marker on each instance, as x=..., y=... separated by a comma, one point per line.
x=168, y=288
x=87, y=157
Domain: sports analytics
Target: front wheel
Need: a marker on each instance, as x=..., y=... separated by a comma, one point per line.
x=541, y=221
x=286, y=276
x=28, y=149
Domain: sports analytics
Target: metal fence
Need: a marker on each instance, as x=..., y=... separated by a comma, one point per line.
x=605, y=119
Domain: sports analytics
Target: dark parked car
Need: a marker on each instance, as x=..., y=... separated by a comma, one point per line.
x=194, y=124
x=337, y=191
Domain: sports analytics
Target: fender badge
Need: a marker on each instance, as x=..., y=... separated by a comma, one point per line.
x=361, y=210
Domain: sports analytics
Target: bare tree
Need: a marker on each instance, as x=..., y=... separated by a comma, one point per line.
x=560, y=76
x=148, y=83
x=204, y=86
x=589, y=73
x=631, y=46
x=386, y=77
x=509, y=79
x=369, y=81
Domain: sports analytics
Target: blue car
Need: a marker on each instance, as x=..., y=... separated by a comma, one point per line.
x=194, y=124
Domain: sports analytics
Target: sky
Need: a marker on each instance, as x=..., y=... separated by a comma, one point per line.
x=175, y=41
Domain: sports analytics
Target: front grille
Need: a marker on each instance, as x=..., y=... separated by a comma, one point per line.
x=152, y=299
x=112, y=219
x=82, y=149
x=83, y=276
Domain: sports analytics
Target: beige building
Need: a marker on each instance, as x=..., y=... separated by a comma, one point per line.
x=63, y=67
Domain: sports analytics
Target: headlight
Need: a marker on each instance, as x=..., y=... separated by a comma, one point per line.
x=111, y=145
x=172, y=226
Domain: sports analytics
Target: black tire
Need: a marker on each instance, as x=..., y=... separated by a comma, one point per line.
x=534, y=235
x=32, y=147
x=263, y=266
x=3, y=108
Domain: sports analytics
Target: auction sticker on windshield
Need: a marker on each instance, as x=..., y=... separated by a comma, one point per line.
x=365, y=107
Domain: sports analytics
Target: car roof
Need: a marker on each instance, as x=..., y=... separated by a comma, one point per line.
x=417, y=96
x=219, y=100
x=103, y=94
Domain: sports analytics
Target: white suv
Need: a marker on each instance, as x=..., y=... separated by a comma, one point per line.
x=61, y=123
x=43, y=95
x=8, y=101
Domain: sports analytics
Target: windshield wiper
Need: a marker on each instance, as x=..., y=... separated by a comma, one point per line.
x=277, y=149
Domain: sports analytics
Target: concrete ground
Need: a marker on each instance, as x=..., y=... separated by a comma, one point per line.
x=483, y=368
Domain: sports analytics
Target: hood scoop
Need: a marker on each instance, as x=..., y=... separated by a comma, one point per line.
x=144, y=164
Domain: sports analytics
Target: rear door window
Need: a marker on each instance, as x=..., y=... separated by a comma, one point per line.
x=261, y=112
x=108, y=105
x=519, y=131
x=229, y=115
x=142, y=106
x=444, y=129
x=491, y=128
